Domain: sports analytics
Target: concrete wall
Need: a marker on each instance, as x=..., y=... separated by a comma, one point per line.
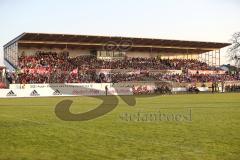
x=141, y=54
x=163, y=55
x=72, y=53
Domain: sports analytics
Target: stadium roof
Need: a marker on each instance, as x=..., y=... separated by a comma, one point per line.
x=98, y=42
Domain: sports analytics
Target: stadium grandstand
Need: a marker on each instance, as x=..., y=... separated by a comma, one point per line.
x=39, y=58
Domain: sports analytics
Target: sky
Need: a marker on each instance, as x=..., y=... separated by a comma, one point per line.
x=200, y=20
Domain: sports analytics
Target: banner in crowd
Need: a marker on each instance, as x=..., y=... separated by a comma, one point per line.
x=131, y=84
x=137, y=71
x=121, y=71
x=41, y=70
x=170, y=72
x=205, y=72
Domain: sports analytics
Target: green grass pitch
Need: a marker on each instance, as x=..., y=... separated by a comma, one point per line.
x=30, y=130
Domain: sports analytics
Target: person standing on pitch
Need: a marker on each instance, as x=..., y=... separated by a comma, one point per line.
x=213, y=87
x=106, y=90
x=222, y=83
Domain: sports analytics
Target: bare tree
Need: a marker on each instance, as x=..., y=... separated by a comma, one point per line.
x=234, y=50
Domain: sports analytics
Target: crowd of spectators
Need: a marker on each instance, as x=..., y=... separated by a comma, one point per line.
x=202, y=78
x=90, y=77
x=48, y=60
x=64, y=62
x=232, y=88
x=59, y=67
x=2, y=84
